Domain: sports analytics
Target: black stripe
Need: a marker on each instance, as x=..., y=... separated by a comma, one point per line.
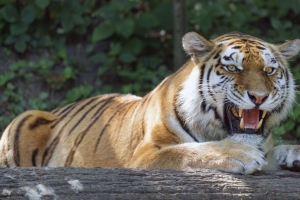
x=281, y=75
x=84, y=105
x=67, y=111
x=33, y=157
x=246, y=40
x=183, y=125
x=16, y=153
x=125, y=113
x=201, y=79
x=217, y=55
x=65, y=108
x=145, y=100
x=219, y=73
x=55, y=110
x=287, y=77
x=77, y=142
x=6, y=162
x=81, y=108
x=40, y=121
x=68, y=108
x=234, y=94
x=203, y=106
x=100, y=109
x=217, y=115
x=208, y=84
x=231, y=43
x=135, y=113
x=260, y=47
x=85, y=114
x=145, y=110
x=236, y=47
x=107, y=125
x=163, y=122
x=50, y=149
x=256, y=43
x=279, y=108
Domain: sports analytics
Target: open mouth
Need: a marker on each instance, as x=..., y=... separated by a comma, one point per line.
x=244, y=121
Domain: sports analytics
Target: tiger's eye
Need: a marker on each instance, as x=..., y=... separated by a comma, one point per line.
x=231, y=68
x=270, y=70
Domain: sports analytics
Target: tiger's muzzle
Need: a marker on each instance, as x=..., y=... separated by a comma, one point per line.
x=240, y=121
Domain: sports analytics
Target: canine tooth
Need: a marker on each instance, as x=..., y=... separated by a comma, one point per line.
x=242, y=125
x=264, y=114
x=240, y=112
x=259, y=124
x=233, y=110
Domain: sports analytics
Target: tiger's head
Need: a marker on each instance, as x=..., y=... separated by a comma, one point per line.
x=241, y=86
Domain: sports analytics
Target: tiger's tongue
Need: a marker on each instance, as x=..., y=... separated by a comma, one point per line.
x=251, y=118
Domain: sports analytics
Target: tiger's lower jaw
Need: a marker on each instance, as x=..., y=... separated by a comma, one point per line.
x=239, y=121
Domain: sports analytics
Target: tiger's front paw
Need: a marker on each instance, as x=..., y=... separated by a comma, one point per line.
x=238, y=157
x=284, y=157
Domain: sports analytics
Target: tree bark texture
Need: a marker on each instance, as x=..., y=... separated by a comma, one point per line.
x=99, y=183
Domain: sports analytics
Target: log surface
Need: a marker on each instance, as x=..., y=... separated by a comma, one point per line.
x=100, y=183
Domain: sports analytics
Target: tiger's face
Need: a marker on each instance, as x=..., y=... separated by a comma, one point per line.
x=244, y=81
x=257, y=86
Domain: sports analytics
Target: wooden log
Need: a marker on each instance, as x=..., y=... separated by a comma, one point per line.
x=99, y=183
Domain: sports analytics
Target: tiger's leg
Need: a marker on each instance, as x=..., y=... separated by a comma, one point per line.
x=24, y=140
x=223, y=155
x=284, y=157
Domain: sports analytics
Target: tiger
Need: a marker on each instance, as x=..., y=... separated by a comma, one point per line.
x=217, y=111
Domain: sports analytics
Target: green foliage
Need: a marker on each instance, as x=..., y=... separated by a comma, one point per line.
x=128, y=46
x=132, y=49
x=130, y=60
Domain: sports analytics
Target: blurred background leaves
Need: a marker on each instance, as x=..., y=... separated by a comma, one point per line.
x=59, y=51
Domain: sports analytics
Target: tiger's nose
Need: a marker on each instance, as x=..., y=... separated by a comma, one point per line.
x=257, y=98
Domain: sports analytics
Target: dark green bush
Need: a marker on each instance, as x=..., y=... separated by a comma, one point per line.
x=56, y=52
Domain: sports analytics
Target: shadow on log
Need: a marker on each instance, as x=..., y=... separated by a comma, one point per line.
x=98, y=183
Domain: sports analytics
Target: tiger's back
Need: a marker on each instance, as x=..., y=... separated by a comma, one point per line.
x=80, y=134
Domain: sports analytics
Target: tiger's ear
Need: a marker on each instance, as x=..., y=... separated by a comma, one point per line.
x=196, y=45
x=289, y=48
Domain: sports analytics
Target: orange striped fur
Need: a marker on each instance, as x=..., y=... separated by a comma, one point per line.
x=177, y=125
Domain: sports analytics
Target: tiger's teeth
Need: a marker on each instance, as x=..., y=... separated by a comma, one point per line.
x=240, y=112
x=242, y=125
x=259, y=124
x=233, y=110
x=264, y=114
